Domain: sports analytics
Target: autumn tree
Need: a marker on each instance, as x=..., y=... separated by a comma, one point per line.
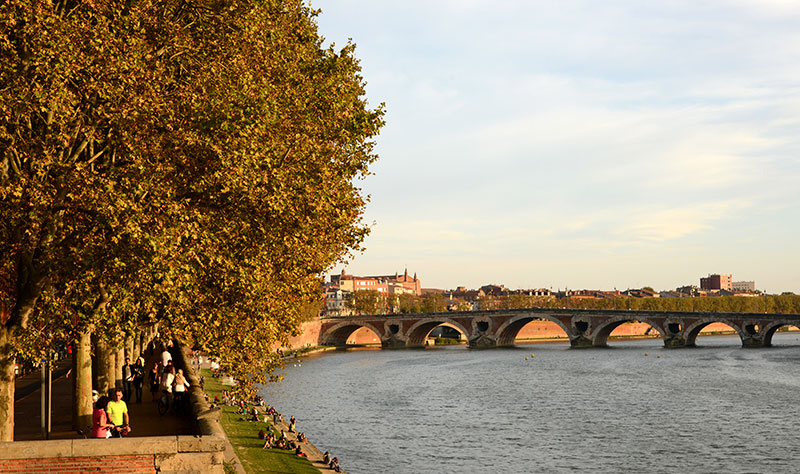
x=275, y=130
x=367, y=302
x=191, y=163
x=77, y=90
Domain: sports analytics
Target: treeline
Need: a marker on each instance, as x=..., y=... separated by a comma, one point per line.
x=185, y=166
x=374, y=302
x=787, y=304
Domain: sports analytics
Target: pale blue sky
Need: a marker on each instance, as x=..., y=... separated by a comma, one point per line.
x=581, y=144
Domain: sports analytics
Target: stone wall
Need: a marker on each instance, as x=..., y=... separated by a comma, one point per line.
x=309, y=335
x=152, y=454
x=129, y=465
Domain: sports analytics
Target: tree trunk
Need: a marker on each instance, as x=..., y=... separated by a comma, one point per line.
x=7, y=385
x=130, y=349
x=140, y=342
x=82, y=381
x=119, y=361
x=105, y=376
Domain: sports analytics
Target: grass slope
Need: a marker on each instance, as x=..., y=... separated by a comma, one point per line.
x=243, y=435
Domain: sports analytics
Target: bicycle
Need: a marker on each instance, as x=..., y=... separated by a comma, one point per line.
x=119, y=431
x=85, y=432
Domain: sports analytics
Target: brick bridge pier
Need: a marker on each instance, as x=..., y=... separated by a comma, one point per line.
x=583, y=327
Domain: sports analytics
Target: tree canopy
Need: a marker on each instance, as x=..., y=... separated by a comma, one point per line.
x=191, y=163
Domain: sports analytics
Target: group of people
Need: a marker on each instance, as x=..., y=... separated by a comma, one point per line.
x=132, y=378
x=333, y=463
x=171, y=383
x=110, y=417
x=282, y=442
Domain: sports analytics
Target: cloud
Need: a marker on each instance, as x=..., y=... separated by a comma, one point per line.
x=669, y=224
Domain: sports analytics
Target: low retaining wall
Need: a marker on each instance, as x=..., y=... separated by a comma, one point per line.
x=153, y=454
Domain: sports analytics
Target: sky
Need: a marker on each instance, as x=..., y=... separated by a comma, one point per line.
x=580, y=144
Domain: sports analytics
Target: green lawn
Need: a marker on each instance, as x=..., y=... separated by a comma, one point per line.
x=243, y=435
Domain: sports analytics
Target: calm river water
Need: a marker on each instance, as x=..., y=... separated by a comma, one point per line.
x=717, y=408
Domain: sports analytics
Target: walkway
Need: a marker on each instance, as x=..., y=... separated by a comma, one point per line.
x=145, y=420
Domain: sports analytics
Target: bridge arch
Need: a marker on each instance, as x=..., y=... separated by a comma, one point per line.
x=603, y=331
x=694, y=330
x=507, y=332
x=418, y=333
x=772, y=328
x=338, y=334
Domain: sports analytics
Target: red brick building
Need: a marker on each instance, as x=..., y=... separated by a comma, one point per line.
x=387, y=284
x=717, y=282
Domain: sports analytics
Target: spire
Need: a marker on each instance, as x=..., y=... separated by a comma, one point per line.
x=415, y=276
x=405, y=275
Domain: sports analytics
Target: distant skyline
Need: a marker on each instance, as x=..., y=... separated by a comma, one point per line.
x=580, y=144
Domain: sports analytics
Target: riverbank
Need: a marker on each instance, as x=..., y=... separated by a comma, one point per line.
x=243, y=436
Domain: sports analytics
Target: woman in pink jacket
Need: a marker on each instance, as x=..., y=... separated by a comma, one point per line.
x=100, y=423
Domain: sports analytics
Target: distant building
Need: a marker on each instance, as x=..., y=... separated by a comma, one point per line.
x=744, y=286
x=641, y=293
x=691, y=290
x=386, y=284
x=534, y=292
x=494, y=290
x=671, y=294
x=717, y=282
x=336, y=302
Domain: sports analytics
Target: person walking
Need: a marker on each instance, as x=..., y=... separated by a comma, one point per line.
x=167, y=380
x=127, y=380
x=180, y=386
x=138, y=378
x=155, y=381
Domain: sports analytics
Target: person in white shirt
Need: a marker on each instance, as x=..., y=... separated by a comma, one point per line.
x=166, y=357
x=180, y=385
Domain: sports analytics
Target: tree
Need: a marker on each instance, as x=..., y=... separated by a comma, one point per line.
x=367, y=302
x=77, y=92
x=265, y=168
x=434, y=303
x=191, y=163
x=409, y=303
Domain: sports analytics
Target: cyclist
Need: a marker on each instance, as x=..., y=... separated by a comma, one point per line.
x=118, y=413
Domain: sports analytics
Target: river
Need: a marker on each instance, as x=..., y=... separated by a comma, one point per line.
x=714, y=408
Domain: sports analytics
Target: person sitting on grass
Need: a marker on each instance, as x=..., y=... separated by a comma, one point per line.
x=269, y=440
x=262, y=434
x=299, y=452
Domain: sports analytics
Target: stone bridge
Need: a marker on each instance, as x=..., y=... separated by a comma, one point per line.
x=584, y=327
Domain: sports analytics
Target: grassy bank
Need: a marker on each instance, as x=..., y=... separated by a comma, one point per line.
x=243, y=435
